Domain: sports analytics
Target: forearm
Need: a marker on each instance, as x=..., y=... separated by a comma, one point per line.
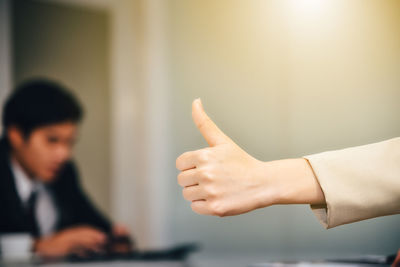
x=292, y=182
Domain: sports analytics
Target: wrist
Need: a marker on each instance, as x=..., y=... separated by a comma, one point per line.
x=291, y=181
x=40, y=246
x=35, y=245
x=267, y=194
x=51, y=246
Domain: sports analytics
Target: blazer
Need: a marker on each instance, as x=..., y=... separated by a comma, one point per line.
x=359, y=182
x=73, y=206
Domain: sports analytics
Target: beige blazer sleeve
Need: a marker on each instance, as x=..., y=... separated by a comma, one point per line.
x=359, y=182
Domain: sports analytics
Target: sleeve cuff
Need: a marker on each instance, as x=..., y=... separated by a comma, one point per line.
x=358, y=183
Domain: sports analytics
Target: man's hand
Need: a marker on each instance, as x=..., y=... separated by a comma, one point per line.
x=121, y=240
x=72, y=240
x=223, y=179
x=120, y=230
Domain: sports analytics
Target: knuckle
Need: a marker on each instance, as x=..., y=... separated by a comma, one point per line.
x=204, y=156
x=206, y=175
x=217, y=209
x=211, y=191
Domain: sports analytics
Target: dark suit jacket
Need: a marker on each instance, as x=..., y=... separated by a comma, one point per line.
x=74, y=207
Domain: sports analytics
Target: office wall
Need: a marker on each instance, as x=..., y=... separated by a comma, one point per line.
x=140, y=120
x=284, y=79
x=71, y=45
x=5, y=50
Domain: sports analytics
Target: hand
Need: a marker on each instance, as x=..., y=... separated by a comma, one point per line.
x=224, y=180
x=120, y=230
x=71, y=240
x=120, y=242
x=221, y=179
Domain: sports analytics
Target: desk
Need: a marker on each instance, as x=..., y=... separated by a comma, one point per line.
x=100, y=264
x=207, y=260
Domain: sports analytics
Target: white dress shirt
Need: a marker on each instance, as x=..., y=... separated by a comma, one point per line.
x=45, y=211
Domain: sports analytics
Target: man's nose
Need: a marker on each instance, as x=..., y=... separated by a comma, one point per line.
x=63, y=153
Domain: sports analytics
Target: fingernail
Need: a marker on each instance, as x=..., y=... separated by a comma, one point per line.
x=200, y=103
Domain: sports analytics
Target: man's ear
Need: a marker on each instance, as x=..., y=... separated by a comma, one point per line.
x=15, y=136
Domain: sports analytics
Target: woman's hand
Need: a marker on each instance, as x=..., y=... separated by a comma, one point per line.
x=224, y=180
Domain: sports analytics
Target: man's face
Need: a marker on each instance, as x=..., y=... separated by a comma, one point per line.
x=46, y=150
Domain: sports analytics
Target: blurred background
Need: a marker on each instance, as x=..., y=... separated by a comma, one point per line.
x=283, y=78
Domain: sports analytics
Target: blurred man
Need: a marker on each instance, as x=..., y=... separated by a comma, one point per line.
x=40, y=192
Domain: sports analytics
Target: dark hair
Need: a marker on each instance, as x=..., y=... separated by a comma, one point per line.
x=38, y=103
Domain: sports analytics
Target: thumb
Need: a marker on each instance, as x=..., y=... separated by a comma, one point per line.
x=213, y=135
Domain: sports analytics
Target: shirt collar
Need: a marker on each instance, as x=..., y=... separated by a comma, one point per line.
x=25, y=185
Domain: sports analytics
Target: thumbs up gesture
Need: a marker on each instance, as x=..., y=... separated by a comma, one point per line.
x=221, y=179
x=224, y=180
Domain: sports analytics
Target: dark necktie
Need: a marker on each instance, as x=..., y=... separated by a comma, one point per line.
x=30, y=211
